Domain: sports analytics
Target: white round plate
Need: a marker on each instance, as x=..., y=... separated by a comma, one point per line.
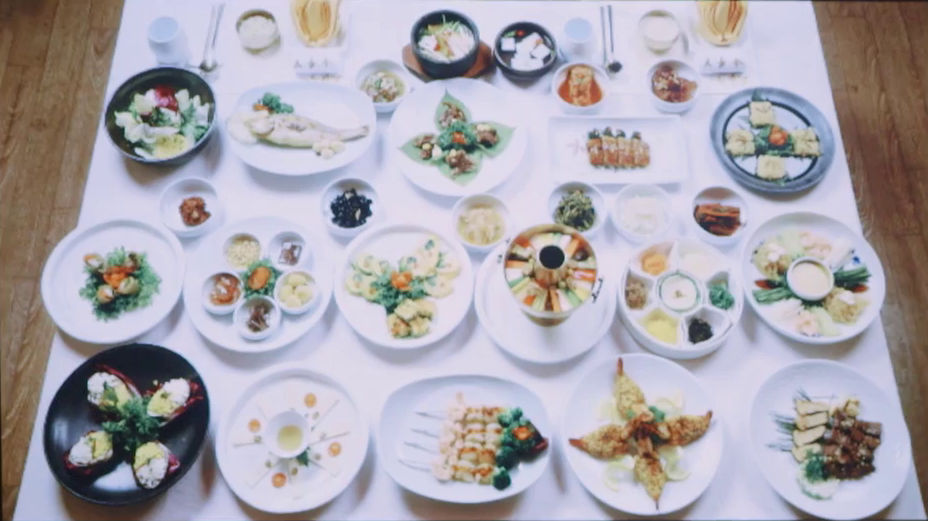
x=391, y=242
x=821, y=379
x=833, y=230
x=723, y=322
x=512, y=330
x=64, y=276
x=333, y=418
x=398, y=418
x=335, y=105
x=657, y=378
x=416, y=115
x=209, y=259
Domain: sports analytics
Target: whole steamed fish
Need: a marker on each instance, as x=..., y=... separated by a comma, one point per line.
x=292, y=130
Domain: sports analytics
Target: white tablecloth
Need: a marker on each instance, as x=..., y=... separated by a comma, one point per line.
x=790, y=56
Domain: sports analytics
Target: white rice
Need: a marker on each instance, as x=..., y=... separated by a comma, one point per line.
x=95, y=386
x=152, y=473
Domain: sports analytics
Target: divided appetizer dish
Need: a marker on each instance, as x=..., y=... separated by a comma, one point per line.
x=126, y=425
x=409, y=301
x=457, y=137
x=302, y=128
x=161, y=116
x=605, y=150
x=464, y=439
x=829, y=440
x=652, y=446
x=525, y=51
x=113, y=281
x=257, y=285
x=292, y=440
x=445, y=43
x=680, y=298
x=812, y=279
x=772, y=140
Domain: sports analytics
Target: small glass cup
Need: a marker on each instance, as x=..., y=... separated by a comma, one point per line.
x=167, y=40
x=578, y=35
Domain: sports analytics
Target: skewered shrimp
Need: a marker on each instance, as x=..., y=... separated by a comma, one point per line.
x=685, y=429
x=626, y=391
x=648, y=470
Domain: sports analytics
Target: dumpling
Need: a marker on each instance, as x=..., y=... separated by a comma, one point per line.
x=419, y=326
x=740, y=142
x=770, y=167
x=397, y=327
x=761, y=113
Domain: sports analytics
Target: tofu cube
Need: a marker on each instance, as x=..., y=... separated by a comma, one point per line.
x=507, y=44
x=541, y=51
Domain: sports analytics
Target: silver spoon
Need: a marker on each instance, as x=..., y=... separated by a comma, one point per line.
x=613, y=65
x=209, y=62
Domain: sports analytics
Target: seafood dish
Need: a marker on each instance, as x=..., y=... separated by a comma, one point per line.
x=612, y=149
x=721, y=22
x=550, y=270
x=164, y=122
x=642, y=440
x=580, y=87
x=275, y=122
x=351, y=209
x=193, y=211
x=406, y=291
x=130, y=425
x=446, y=42
x=523, y=50
x=460, y=144
x=118, y=283
x=680, y=298
x=479, y=444
x=810, y=284
x=829, y=441
x=316, y=21
x=383, y=86
x=669, y=86
x=718, y=219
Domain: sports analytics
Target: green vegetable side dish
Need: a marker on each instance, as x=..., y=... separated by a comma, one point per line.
x=520, y=441
x=164, y=122
x=260, y=278
x=720, y=297
x=134, y=426
x=459, y=145
x=118, y=283
x=576, y=211
x=273, y=104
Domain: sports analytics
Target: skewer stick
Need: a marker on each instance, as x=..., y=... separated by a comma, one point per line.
x=438, y=415
x=326, y=413
x=424, y=432
x=418, y=465
x=420, y=447
x=327, y=438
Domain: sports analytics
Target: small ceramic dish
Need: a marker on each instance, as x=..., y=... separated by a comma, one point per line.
x=339, y=187
x=394, y=68
x=221, y=309
x=599, y=204
x=174, y=195
x=276, y=245
x=684, y=71
x=631, y=192
x=505, y=49
x=659, y=29
x=442, y=70
x=232, y=238
x=282, y=299
x=481, y=200
x=560, y=76
x=726, y=197
x=243, y=313
x=262, y=44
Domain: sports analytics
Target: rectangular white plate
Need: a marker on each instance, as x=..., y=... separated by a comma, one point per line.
x=569, y=159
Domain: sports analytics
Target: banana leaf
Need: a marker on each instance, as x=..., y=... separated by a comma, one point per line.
x=440, y=110
x=413, y=152
x=465, y=178
x=505, y=136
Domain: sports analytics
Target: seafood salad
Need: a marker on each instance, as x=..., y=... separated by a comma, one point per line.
x=404, y=290
x=478, y=443
x=272, y=121
x=446, y=42
x=164, y=122
x=460, y=144
x=642, y=441
x=118, y=283
x=811, y=284
x=828, y=441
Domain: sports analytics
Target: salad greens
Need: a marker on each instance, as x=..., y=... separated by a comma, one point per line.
x=118, y=283
x=134, y=426
x=164, y=122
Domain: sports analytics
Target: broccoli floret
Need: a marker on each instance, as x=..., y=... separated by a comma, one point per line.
x=508, y=440
x=501, y=478
x=510, y=417
x=507, y=457
x=525, y=438
x=658, y=414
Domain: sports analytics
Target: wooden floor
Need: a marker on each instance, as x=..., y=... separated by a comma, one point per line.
x=54, y=64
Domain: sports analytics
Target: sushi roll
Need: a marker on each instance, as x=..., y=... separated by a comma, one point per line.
x=110, y=390
x=594, y=147
x=91, y=455
x=641, y=152
x=172, y=398
x=625, y=153
x=152, y=463
x=610, y=148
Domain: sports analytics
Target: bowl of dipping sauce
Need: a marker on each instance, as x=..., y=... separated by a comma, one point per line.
x=659, y=29
x=810, y=279
x=257, y=30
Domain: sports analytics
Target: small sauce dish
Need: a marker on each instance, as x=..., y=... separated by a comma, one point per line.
x=243, y=315
x=810, y=279
x=173, y=197
x=289, y=286
x=210, y=288
x=659, y=29
x=297, y=252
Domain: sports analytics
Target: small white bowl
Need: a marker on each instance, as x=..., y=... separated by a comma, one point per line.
x=654, y=44
x=395, y=68
x=481, y=200
x=275, y=244
x=643, y=190
x=229, y=241
x=305, y=307
x=274, y=38
x=243, y=312
x=340, y=186
x=805, y=295
x=725, y=196
x=208, y=285
x=599, y=75
x=175, y=193
x=685, y=71
x=599, y=203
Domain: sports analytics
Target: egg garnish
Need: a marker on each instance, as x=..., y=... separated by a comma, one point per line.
x=106, y=390
x=150, y=464
x=93, y=447
x=169, y=398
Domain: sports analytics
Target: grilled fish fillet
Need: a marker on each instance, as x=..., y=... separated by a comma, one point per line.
x=290, y=130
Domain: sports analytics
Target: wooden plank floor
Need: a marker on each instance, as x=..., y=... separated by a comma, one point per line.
x=54, y=64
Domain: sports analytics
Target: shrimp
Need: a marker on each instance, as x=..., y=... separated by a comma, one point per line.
x=683, y=430
x=626, y=391
x=606, y=442
x=648, y=470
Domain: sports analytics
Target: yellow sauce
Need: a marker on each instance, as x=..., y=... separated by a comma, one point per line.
x=662, y=328
x=289, y=437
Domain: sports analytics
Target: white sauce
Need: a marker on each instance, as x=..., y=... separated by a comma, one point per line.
x=679, y=292
x=810, y=278
x=660, y=28
x=643, y=215
x=257, y=32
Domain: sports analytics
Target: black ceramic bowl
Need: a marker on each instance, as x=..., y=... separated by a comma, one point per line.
x=443, y=70
x=139, y=84
x=503, y=58
x=70, y=416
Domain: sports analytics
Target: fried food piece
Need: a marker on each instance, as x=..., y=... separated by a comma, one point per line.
x=626, y=391
x=608, y=441
x=648, y=470
x=683, y=430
